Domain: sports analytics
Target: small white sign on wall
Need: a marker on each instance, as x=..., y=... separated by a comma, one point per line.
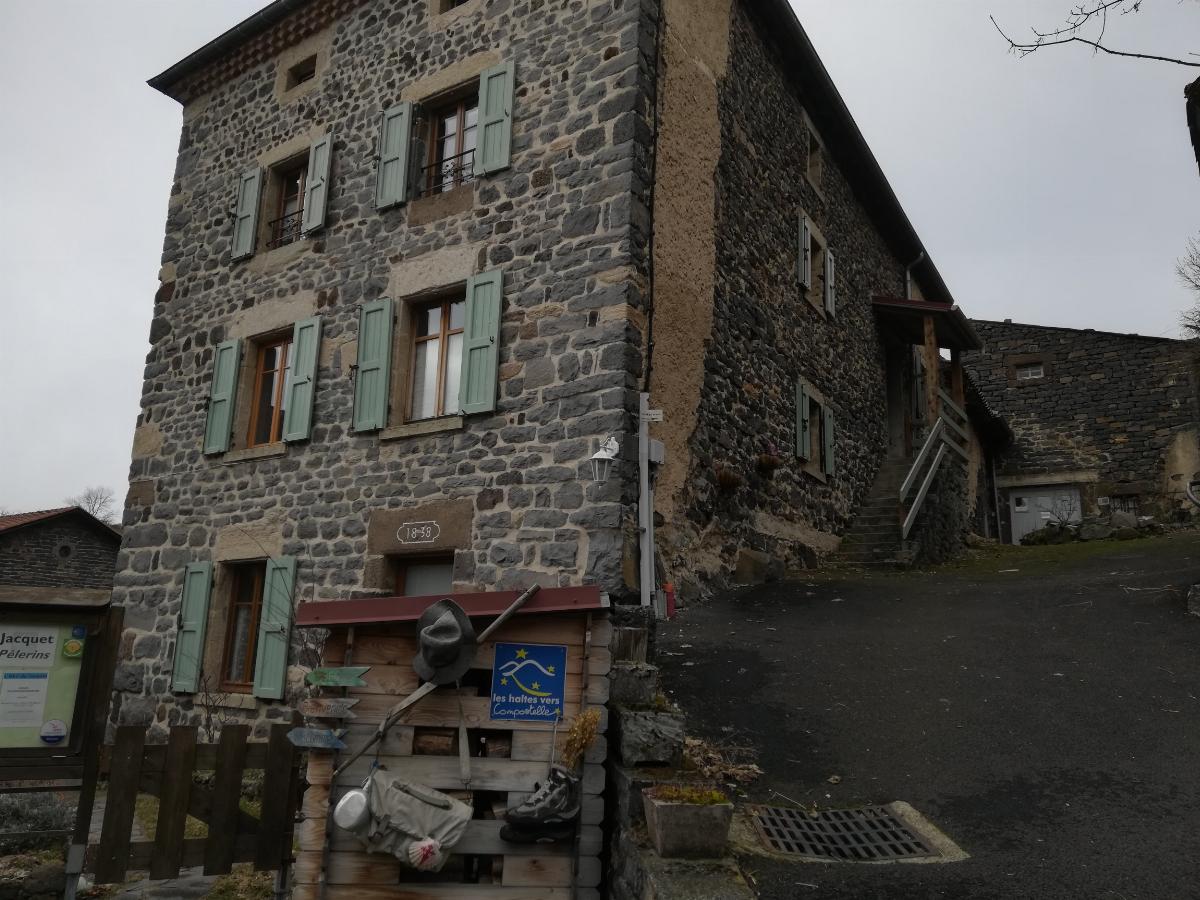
x=418, y=532
x=23, y=698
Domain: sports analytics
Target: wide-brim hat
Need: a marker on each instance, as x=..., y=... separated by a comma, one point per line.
x=446, y=643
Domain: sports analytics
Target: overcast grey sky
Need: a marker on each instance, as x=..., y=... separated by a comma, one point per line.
x=1056, y=189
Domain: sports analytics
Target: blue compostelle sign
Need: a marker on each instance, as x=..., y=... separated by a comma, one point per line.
x=529, y=682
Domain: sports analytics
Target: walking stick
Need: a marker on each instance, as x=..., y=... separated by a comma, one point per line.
x=428, y=687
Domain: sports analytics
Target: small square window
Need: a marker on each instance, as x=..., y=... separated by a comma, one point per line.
x=1020, y=504
x=424, y=576
x=452, y=132
x=1030, y=371
x=305, y=70
x=437, y=336
x=447, y=5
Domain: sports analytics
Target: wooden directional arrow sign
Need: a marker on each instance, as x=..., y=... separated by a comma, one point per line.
x=346, y=676
x=315, y=738
x=328, y=707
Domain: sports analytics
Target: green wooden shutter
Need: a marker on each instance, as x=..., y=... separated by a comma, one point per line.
x=494, y=142
x=221, y=395
x=481, y=343
x=803, y=439
x=374, y=372
x=830, y=282
x=395, y=136
x=316, y=185
x=193, y=619
x=826, y=440
x=274, y=629
x=804, y=258
x=302, y=380
x=245, y=213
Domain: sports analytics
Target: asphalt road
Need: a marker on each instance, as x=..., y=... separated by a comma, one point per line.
x=1046, y=719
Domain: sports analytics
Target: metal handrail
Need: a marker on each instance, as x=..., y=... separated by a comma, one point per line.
x=453, y=171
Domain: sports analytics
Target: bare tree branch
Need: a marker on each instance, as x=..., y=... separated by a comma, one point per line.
x=1188, y=269
x=97, y=500
x=1080, y=16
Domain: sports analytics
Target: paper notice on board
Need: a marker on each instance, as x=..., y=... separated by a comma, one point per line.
x=23, y=699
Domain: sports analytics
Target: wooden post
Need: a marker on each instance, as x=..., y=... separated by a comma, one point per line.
x=173, y=801
x=223, y=830
x=108, y=640
x=957, y=387
x=932, y=372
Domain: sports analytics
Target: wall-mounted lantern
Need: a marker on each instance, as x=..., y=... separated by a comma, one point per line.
x=602, y=459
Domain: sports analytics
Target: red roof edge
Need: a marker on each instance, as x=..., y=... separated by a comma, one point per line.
x=16, y=520
x=371, y=610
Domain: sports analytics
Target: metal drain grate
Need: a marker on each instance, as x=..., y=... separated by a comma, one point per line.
x=865, y=834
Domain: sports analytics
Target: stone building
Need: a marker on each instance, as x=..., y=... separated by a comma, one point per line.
x=1102, y=421
x=421, y=259
x=55, y=549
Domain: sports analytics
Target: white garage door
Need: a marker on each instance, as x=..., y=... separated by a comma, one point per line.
x=1033, y=507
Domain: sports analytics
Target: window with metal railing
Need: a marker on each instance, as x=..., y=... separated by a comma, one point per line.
x=452, y=135
x=289, y=210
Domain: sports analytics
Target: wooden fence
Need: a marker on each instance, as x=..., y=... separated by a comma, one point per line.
x=168, y=773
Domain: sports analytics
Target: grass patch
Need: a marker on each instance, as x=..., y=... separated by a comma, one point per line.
x=1050, y=558
x=243, y=883
x=145, y=810
x=681, y=793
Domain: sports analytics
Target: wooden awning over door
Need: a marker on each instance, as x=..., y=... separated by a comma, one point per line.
x=906, y=320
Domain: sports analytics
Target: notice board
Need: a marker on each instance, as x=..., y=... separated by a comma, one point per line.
x=40, y=665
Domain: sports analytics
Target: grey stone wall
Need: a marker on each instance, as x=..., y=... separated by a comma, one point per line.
x=766, y=333
x=64, y=552
x=565, y=223
x=939, y=534
x=1111, y=407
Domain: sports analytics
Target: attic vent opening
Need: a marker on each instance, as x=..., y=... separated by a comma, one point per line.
x=303, y=71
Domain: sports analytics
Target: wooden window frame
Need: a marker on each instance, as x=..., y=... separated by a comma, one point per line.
x=257, y=571
x=280, y=179
x=284, y=342
x=1015, y=361
x=434, y=182
x=443, y=334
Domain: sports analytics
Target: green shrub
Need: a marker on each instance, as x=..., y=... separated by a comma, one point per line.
x=35, y=813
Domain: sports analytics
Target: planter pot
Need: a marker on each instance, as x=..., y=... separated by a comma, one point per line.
x=687, y=830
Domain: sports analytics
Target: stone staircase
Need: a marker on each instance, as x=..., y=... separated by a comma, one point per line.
x=873, y=538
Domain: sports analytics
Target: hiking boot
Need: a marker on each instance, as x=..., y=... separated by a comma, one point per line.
x=556, y=802
x=540, y=835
